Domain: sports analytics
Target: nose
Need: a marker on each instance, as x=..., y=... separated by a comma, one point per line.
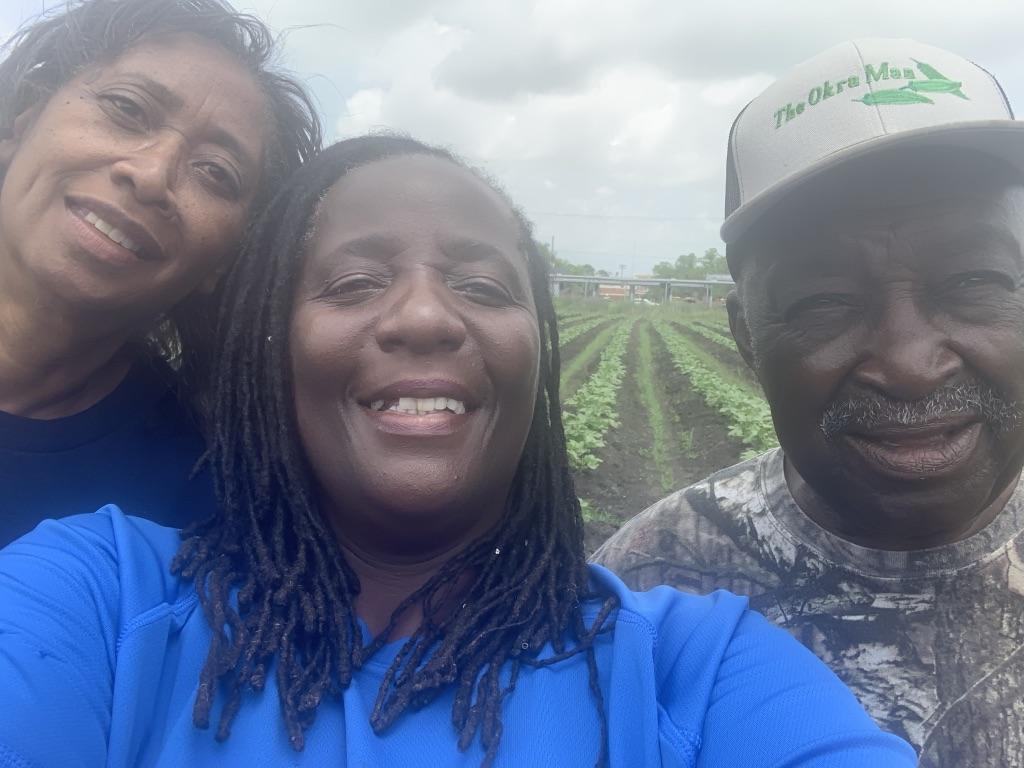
x=151, y=171
x=421, y=316
x=909, y=357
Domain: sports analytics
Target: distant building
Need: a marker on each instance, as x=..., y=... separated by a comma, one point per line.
x=617, y=292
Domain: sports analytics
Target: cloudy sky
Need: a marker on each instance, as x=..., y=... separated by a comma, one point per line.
x=606, y=121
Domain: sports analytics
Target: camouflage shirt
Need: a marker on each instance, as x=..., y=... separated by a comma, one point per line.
x=932, y=641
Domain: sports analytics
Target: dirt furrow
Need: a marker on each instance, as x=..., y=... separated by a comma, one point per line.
x=627, y=480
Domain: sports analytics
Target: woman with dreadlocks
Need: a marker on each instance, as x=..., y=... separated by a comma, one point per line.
x=396, y=574
x=137, y=140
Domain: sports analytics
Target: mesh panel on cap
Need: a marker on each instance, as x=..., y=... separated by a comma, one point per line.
x=733, y=193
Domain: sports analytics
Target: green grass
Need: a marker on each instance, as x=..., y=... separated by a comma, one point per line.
x=644, y=374
x=686, y=443
x=592, y=514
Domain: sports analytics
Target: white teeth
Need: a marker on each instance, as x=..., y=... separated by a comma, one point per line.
x=421, y=405
x=112, y=232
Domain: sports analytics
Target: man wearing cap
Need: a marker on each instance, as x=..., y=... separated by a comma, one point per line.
x=875, y=229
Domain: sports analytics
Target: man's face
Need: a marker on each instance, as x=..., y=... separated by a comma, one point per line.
x=889, y=339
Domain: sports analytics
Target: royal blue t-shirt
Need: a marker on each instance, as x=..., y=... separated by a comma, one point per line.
x=101, y=648
x=135, y=448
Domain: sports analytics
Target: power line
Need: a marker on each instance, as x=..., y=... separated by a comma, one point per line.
x=566, y=215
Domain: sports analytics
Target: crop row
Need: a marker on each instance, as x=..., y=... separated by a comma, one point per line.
x=565, y=335
x=571, y=317
x=711, y=335
x=748, y=414
x=592, y=411
x=575, y=366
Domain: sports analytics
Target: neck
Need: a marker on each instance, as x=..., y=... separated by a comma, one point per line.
x=876, y=531
x=395, y=554
x=51, y=365
x=386, y=581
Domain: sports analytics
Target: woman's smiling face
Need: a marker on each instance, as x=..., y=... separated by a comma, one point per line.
x=130, y=186
x=415, y=352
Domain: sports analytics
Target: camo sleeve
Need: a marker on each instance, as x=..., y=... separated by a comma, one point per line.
x=652, y=548
x=715, y=534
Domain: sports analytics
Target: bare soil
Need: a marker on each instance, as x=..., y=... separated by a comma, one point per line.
x=627, y=481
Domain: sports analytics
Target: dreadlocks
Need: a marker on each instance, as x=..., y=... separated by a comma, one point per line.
x=296, y=593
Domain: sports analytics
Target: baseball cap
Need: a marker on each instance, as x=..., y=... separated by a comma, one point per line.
x=855, y=99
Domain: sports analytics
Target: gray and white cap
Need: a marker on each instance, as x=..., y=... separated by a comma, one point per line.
x=853, y=100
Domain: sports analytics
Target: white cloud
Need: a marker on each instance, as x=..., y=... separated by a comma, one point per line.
x=607, y=122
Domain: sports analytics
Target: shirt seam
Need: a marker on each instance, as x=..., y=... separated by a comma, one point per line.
x=692, y=739
x=157, y=612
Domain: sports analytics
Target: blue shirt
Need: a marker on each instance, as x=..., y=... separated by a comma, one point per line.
x=101, y=648
x=135, y=448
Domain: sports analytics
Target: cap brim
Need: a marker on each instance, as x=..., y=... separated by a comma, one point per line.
x=1001, y=138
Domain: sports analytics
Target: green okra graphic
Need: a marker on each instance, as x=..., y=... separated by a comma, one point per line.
x=942, y=83
x=935, y=86
x=894, y=96
x=929, y=71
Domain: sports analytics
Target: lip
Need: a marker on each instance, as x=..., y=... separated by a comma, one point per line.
x=436, y=424
x=149, y=247
x=934, y=450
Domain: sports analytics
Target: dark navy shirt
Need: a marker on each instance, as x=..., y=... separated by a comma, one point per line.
x=135, y=448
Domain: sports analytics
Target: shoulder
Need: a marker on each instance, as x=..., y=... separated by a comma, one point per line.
x=676, y=539
x=663, y=610
x=733, y=688
x=661, y=622
x=74, y=592
x=107, y=554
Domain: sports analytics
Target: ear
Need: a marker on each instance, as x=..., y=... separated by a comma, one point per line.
x=740, y=329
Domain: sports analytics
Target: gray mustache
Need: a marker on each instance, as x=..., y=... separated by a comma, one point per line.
x=971, y=398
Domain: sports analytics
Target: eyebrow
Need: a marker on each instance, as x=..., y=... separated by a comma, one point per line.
x=983, y=234
x=161, y=92
x=475, y=250
x=173, y=102
x=385, y=246
x=380, y=247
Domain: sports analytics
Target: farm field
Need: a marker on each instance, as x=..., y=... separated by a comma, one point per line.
x=653, y=399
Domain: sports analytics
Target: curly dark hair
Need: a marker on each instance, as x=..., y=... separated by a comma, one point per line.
x=52, y=49
x=295, y=591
